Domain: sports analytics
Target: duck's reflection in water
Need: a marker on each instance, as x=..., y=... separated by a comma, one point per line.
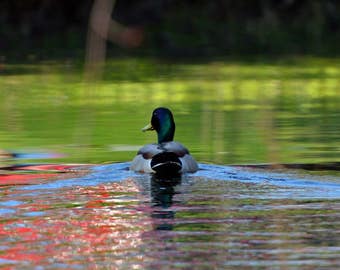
x=162, y=192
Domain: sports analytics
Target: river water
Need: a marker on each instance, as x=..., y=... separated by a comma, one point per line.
x=218, y=218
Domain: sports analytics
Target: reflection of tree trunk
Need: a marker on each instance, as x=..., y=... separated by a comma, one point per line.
x=99, y=24
x=12, y=115
x=98, y=28
x=218, y=141
x=213, y=123
x=266, y=125
x=101, y=29
x=205, y=130
x=234, y=124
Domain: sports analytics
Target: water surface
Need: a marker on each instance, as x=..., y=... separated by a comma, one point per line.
x=217, y=218
x=102, y=216
x=226, y=111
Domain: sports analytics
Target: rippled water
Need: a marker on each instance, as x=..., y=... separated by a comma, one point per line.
x=218, y=218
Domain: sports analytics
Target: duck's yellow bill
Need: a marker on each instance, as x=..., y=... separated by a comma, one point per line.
x=147, y=127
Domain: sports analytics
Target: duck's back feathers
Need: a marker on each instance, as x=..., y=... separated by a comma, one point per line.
x=165, y=156
x=179, y=149
x=149, y=150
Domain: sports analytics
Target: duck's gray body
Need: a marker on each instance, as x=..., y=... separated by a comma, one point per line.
x=142, y=162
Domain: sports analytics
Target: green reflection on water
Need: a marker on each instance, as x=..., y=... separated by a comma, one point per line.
x=226, y=111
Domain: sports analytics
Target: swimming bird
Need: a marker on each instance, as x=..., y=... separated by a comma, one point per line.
x=166, y=157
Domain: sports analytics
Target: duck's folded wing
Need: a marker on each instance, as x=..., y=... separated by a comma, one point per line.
x=189, y=164
x=149, y=150
x=142, y=162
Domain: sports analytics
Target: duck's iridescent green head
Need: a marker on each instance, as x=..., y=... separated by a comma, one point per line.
x=163, y=122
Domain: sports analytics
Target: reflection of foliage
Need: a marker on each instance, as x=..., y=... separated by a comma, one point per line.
x=239, y=111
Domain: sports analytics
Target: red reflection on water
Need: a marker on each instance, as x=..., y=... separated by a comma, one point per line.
x=23, y=179
x=32, y=174
x=78, y=226
x=45, y=167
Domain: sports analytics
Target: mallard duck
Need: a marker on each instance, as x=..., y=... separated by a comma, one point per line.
x=166, y=156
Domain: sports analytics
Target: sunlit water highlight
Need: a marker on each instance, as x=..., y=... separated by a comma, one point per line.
x=218, y=218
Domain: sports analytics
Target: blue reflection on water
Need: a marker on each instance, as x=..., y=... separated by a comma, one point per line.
x=5, y=261
x=6, y=211
x=99, y=175
x=11, y=203
x=34, y=214
x=298, y=186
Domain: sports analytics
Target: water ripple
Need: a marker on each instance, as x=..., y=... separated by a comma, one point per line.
x=293, y=186
x=220, y=217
